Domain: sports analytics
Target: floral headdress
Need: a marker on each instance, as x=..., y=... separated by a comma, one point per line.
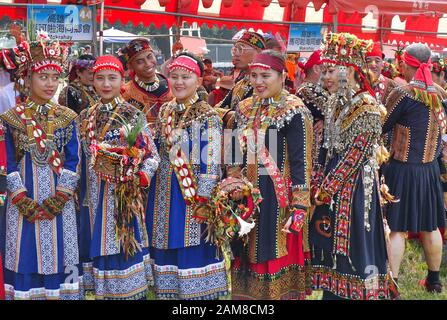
x=346, y=50
x=43, y=54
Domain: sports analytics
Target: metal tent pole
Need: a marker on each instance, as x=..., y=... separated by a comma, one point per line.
x=101, y=30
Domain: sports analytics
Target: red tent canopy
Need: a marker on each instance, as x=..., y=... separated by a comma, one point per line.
x=419, y=15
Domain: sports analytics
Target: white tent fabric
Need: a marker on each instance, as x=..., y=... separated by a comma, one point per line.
x=117, y=36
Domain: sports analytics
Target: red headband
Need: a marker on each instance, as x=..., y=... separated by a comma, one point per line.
x=108, y=63
x=46, y=65
x=186, y=63
x=423, y=73
x=266, y=61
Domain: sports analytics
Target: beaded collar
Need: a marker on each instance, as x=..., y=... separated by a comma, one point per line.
x=148, y=87
x=275, y=101
x=179, y=107
x=44, y=109
x=107, y=107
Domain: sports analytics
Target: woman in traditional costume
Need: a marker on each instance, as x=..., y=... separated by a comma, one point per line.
x=347, y=238
x=41, y=250
x=274, y=133
x=185, y=266
x=80, y=94
x=119, y=159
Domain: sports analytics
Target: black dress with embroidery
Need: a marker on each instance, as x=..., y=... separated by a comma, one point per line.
x=346, y=235
x=271, y=266
x=413, y=173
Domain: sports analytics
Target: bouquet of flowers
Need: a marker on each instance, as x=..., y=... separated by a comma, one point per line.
x=235, y=202
x=121, y=165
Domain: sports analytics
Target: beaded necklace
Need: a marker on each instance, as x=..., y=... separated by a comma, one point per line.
x=40, y=141
x=108, y=107
x=148, y=87
x=182, y=168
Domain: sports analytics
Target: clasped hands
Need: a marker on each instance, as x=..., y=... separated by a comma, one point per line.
x=48, y=210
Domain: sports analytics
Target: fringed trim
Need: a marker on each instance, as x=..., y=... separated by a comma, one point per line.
x=434, y=103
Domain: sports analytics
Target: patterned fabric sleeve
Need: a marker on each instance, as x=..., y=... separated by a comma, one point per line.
x=14, y=183
x=299, y=146
x=394, y=109
x=69, y=178
x=210, y=170
x=233, y=157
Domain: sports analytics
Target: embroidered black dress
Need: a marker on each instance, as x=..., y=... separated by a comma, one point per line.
x=413, y=174
x=349, y=256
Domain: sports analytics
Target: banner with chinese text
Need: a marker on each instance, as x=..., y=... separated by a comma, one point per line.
x=305, y=37
x=65, y=23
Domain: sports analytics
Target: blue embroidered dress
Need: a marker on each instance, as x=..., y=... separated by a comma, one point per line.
x=41, y=258
x=107, y=270
x=185, y=266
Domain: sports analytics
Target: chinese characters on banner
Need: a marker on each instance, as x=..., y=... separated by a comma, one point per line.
x=305, y=37
x=64, y=23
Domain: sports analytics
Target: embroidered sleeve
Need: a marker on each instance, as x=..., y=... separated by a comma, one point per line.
x=299, y=147
x=360, y=149
x=151, y=162
x=72, y=149
x=69, y=178
x=211, y=152
x=14, y=182
x=68, y=182
x=394, y=109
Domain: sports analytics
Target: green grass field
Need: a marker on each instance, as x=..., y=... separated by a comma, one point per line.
x=413, y=270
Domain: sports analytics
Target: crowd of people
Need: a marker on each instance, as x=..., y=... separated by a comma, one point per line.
x=199, y=185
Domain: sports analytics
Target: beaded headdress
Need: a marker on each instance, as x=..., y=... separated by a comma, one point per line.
x=43, y=54
x=346, y=49
x=186, y=63
x=135, y=47
x=253, y=39
x=108, y=62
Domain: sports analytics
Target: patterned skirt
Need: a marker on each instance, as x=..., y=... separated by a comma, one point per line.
x=358, y=272
x=191, y=273
x=421, y=205
x=277, y=279
x=60, y=286
x=117, y=278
